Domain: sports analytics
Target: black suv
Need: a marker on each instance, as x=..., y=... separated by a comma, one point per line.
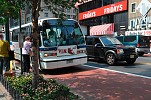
x=110, y=49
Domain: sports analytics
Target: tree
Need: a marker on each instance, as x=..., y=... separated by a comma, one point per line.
x=2, y=20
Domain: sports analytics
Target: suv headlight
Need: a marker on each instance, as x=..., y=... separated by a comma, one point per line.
x=119, y=51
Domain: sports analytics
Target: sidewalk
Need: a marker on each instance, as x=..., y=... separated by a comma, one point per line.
x=4, y=95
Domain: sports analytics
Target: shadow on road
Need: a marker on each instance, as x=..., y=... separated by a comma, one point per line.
x=66, y=70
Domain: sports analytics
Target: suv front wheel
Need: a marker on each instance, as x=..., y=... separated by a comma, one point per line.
x=110, y=59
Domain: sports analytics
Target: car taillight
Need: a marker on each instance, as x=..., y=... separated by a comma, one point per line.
x=138, y=45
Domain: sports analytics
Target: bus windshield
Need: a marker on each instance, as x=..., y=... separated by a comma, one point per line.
x=68, y=33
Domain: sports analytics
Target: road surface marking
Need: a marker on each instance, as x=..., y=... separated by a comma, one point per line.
x=145, y=63
x=119, y=72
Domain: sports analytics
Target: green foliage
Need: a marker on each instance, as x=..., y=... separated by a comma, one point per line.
x=46, y=90
x=2, y=20
x=58, y=7
x=9, y=9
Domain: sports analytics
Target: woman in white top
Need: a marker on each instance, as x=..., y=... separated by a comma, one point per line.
x=26, y=54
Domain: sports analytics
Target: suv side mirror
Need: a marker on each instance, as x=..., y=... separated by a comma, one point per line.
x=98, y=44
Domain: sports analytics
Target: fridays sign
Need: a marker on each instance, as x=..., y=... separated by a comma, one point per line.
x=112, y=8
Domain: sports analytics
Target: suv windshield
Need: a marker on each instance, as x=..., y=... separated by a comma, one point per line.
x=110, y=41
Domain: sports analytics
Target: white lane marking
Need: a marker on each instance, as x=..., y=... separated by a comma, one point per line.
x=119, y=72
x=145, y=63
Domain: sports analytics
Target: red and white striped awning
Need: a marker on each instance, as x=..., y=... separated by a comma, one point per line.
x=102, y=29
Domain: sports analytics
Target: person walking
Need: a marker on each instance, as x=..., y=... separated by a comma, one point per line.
x=4, y=55
x=26, y=54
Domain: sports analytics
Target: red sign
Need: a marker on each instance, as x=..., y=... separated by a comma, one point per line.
x=147, y=32
x=82, y=1
x=112, y=8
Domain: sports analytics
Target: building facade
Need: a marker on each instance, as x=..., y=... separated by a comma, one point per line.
x=101, y=13
x=26, y=15
x=139, y=17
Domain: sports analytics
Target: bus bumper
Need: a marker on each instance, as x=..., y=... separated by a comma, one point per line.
x=63, y=63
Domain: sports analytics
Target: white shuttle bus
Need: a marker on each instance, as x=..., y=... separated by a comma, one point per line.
x=61, y=44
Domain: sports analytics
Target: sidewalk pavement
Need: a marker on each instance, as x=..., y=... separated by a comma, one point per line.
x=4, y=95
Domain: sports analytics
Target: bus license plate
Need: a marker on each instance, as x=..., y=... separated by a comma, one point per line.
x=131, y=56
x=69, y=61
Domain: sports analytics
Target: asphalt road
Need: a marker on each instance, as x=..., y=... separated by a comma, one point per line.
x=141, y=67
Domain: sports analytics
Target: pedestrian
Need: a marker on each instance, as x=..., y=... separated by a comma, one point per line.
x=4, y=55
x=26, y=54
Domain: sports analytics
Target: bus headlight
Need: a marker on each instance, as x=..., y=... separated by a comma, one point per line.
x=46, y=55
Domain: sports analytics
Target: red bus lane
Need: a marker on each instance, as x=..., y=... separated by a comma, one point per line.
x=100, y=84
